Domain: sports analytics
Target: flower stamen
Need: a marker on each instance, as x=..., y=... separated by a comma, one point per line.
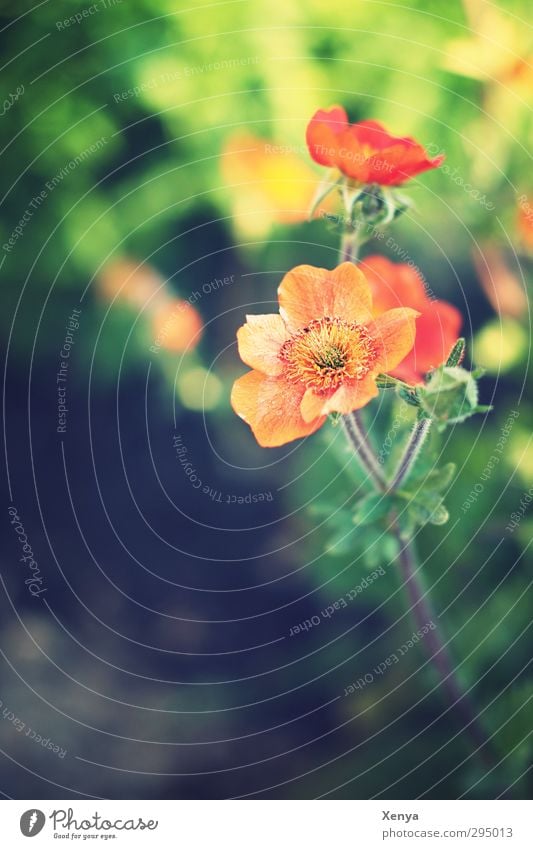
x=328, y=352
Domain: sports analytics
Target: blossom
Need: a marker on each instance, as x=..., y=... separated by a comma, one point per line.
x=176, y=325
x=269, y=182
x=365, y=152
x=130, y=281
x=525, y=220
x=438, y=325
x=320, y=355
x=502, y=286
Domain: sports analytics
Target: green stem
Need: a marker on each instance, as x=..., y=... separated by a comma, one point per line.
x=357, y=437
x=420, y=604
x=423, y=614
x=412, y=450
x=349, y=247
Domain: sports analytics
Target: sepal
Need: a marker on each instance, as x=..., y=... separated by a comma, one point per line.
x=456, y=355
x=450, y=396
x=327, y=185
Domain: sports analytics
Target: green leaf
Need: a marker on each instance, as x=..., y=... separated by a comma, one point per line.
x=345, y=457
x=324, y=509
x=339, y=523
x=406, y=392
x=383, y=381
x=380, y=549
x=372, y=545
x=409, y=396
x=427, y=509
x=344, y=541
x=372, y=508
x=437, y=480
x=439, y=515
x=390, y=547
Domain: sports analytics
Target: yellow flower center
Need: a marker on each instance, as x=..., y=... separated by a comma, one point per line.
x=328, y=352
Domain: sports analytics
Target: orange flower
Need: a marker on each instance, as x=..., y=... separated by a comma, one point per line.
x=176, y=326
x=365, y=152
x=437, y=328
x=525, y=220
x=130, y=281
x=503, y=288
x=320, y=355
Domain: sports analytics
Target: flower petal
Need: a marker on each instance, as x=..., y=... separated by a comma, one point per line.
x=437, y=330
x=373, y=135
x=394, y=333
x=352, y=395
x=352, y=156
x=307, y=293
x=359, y=152
x=394, y=165
x=366, y=151
x=393, y=284
x=439, y=323
x=260, y=340
x=322, y=134
x=271, y=406
x=311, y=405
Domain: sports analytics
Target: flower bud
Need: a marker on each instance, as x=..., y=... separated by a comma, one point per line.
x=373, y=203
x=450, y=395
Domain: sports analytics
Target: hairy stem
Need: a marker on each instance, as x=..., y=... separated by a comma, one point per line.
x=420, y=604
x=423, y=614
x=412, y=449
x=358, y=439
x=349, y=248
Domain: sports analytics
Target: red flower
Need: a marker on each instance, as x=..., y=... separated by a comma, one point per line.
x=365, y=152
x=438, y=325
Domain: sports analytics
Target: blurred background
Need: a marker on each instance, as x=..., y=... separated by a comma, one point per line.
x=155, y=188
